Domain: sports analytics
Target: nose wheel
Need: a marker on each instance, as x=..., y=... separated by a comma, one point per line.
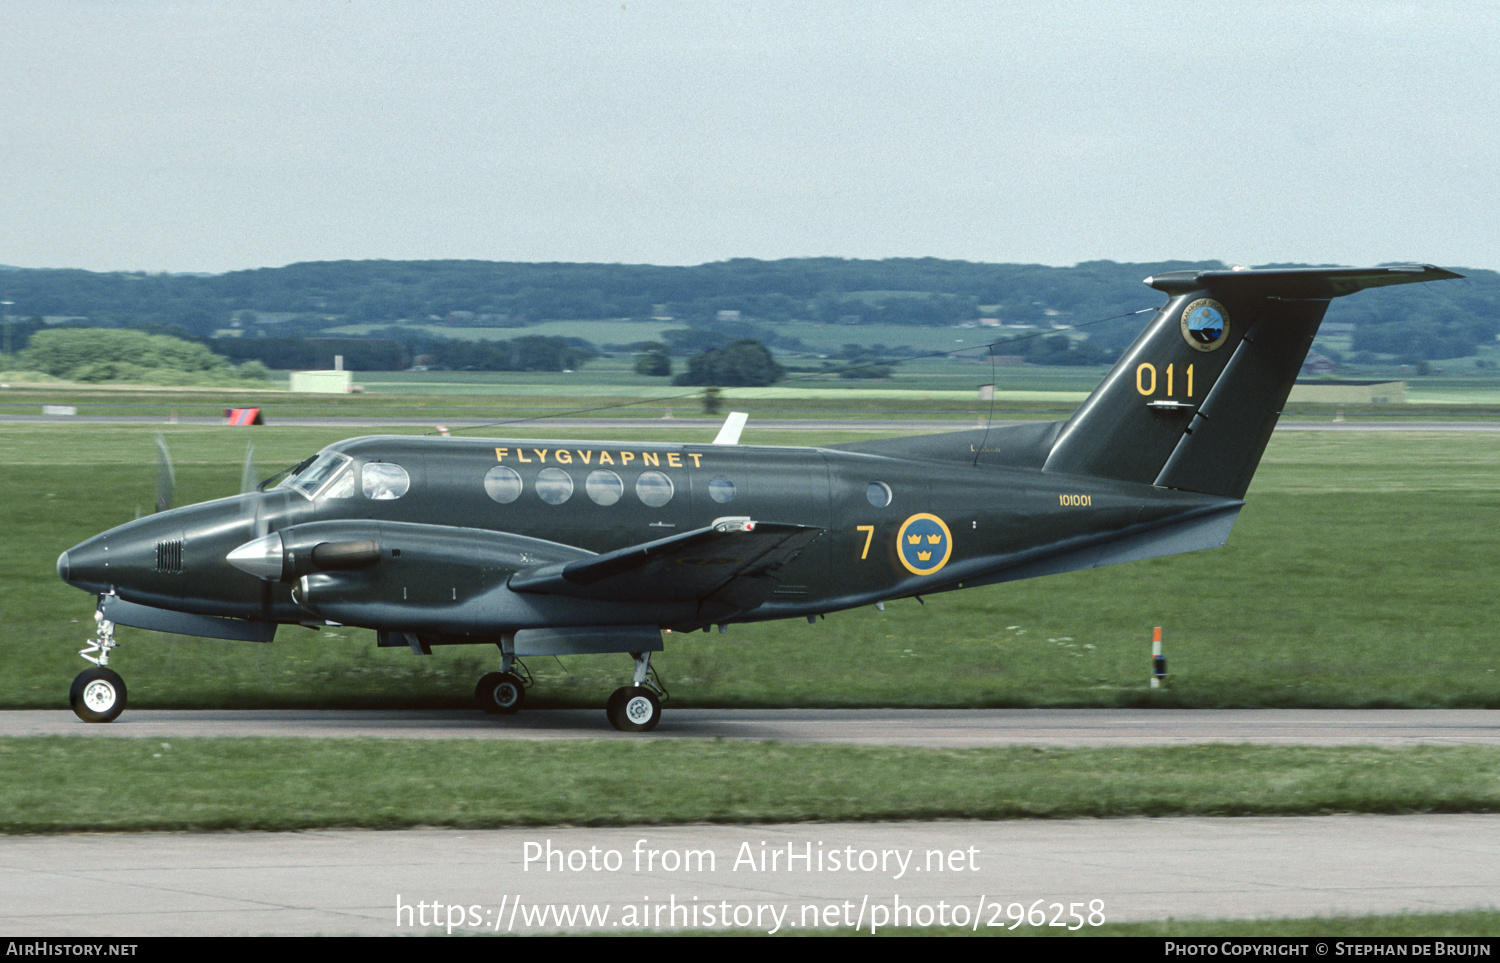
x=98, y=695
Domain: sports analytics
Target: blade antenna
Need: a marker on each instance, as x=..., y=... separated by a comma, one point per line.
x=734, y=425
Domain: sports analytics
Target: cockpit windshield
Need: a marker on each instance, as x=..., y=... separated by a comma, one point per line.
x=314, y=477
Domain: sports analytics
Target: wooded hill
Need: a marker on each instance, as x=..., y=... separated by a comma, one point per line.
x=1423, y=321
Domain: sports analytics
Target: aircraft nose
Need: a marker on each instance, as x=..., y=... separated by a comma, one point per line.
x=86, y=565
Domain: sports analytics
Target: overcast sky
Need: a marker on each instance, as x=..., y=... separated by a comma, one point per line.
x=213, y=136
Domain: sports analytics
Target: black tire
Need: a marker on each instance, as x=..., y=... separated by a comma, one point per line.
x=612, y=707
x=500, y=693
x=98, y=695
x=633, y=709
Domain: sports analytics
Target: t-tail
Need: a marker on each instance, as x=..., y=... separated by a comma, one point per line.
x=1192, y=403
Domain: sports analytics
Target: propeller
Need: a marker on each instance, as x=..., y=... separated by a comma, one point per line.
x=248, y=481
x=166, y=478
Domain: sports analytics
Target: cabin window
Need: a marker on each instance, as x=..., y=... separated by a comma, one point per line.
x=502, y=484
x=653, y=489
x=554, y=486
x=879, y=494
x=721, y=489
x=383, y=481
x=604, y=487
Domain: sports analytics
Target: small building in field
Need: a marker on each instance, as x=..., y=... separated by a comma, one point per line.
x=322, y=382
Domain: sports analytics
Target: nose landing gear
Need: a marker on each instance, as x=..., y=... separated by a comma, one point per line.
x=98, y=694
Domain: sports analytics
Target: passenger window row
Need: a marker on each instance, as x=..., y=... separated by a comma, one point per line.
x=555, y=486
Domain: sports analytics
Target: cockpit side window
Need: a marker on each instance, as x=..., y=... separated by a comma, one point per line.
x=340, y=487
x=325, y=468
x=383, y=481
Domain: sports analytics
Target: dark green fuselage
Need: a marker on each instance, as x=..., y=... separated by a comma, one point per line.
x=1001, y=522
x=466, y=540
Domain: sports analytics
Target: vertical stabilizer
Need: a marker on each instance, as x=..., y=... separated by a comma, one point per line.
x=1192, y=403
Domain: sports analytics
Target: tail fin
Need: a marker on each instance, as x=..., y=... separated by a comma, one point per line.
x=1192, y=403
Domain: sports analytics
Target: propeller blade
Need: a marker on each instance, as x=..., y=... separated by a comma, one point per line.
x=166, y=479
x=248, y=481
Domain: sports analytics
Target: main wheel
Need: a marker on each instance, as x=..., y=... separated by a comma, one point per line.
x=633, y=709
x=98, y=695
x=500, y=693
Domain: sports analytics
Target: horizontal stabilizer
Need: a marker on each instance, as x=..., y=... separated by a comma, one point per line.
x=1318, y=284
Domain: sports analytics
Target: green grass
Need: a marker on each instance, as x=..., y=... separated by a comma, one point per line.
x=1359, y=575
x=73, y=784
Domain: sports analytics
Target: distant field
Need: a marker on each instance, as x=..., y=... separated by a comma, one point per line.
x=820, y=338
x=1360, y=574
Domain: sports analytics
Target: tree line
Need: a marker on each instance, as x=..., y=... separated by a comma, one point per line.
x=713, y=304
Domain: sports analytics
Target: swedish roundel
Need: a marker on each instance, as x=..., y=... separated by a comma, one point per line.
x=1205, y=325
x=923, y=544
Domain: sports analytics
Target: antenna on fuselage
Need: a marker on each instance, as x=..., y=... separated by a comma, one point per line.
x=733, y=426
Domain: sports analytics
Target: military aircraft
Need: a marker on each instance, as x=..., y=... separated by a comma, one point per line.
x=564, y=547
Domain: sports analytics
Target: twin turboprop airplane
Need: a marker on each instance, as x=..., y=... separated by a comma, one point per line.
x=561, y=548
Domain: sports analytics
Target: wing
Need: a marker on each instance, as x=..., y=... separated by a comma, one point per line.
x=734, y=561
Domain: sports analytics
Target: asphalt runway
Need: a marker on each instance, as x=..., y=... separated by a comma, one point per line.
x=809, y=878
x=982, y=874
x=920, y=728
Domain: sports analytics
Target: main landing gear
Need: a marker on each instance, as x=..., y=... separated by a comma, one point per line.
x=98, y=694
x=632, y=708
x=502, y=693
x=635, y=708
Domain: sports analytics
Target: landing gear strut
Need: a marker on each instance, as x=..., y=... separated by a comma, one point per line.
x=635, y=708
x=98, y=694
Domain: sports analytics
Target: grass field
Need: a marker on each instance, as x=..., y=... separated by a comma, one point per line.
x=1360, y=574
x=928, y=388
x=147, y=785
